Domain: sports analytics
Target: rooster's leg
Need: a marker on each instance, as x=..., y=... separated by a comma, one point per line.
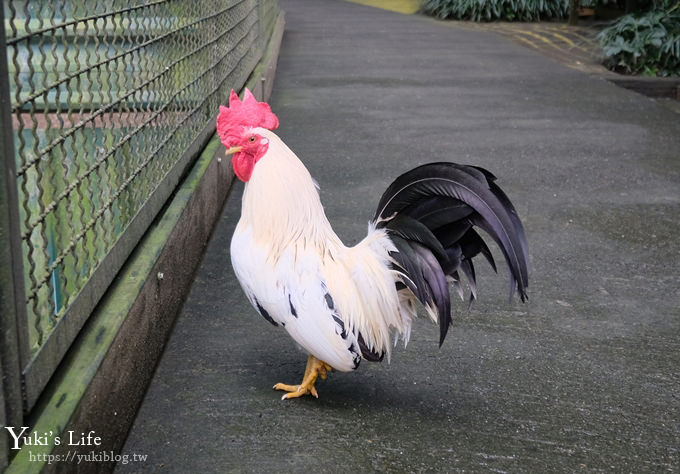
x=315, y=368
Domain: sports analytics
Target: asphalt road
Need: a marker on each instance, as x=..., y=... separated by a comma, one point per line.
x=583, y=378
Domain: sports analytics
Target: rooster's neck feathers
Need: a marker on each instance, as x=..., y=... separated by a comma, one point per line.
x=281, y=200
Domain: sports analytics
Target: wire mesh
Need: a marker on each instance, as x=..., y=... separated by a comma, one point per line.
x=106, y=97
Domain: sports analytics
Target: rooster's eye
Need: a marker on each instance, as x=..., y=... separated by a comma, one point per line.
x=251, y=139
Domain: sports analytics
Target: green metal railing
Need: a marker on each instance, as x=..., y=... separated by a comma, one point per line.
x=110, y=101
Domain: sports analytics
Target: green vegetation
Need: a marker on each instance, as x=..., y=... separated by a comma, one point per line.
x=646, y=43
x=490, y=10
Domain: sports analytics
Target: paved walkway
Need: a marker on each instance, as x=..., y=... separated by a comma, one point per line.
x=584, y=378
x=574, y=46
x=407, y=7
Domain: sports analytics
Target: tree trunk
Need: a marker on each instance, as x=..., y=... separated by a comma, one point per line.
x=573, y=11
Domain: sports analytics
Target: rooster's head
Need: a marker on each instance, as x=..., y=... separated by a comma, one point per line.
x=237, y=128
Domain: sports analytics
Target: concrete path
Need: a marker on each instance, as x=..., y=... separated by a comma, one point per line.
x=574, y=46
x=407, y=7
x=584, y=378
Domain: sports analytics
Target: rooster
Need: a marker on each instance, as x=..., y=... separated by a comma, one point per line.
x=344, y=304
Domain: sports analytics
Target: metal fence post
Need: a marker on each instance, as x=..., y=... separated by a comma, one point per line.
x=12, y=296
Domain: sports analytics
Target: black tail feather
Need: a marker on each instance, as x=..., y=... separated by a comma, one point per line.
x=407, y=261
x=473, y=244
x=449, y=234
x=429, y=213
x=437, y=211
x=468, y=270
x=413, y=230
x=438, y=289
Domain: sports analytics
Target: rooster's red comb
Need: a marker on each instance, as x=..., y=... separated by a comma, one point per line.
x=246, y=113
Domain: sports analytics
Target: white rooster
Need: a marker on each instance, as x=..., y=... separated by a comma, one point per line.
x=342, y=304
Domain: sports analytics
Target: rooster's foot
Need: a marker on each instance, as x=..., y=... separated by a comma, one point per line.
x=315, y=368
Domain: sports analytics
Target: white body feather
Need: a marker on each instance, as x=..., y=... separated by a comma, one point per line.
x=299, y=275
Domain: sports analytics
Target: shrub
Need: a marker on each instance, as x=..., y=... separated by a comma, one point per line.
x=644, y=43
x=489, y=10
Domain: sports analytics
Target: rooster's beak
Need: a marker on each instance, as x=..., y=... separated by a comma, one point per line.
x=232, y=150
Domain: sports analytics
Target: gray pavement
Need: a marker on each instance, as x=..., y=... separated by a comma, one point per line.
x=583, y=378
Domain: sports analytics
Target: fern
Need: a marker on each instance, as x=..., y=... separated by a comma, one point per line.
x=647, y=43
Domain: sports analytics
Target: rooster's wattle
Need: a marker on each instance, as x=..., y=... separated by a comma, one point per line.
x=343, y=304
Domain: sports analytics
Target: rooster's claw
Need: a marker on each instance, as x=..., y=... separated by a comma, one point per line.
x=315, y=368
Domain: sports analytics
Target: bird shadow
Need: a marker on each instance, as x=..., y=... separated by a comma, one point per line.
x=374, y=387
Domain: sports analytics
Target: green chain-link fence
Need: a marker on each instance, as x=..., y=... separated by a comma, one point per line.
x=110, y=101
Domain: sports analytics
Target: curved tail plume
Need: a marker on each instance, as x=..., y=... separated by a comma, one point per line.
x=430, y=213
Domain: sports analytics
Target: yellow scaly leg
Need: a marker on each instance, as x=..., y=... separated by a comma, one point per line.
x=315, y=368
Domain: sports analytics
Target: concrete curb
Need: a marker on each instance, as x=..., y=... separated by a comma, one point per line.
x=657, y=87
